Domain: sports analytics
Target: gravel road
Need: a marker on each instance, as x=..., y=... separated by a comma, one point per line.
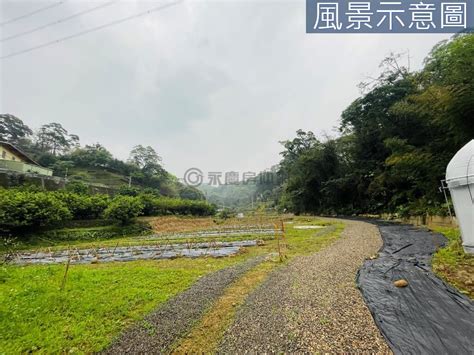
x=160, y=329
x=313, y=304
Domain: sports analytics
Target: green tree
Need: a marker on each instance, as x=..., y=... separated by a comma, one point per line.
x=12, y=129
x=124, y=209
x=94, y=155
x=191, y=193
x=54, y=138
x=397, y=139
x=126, y=190
x=147, y=160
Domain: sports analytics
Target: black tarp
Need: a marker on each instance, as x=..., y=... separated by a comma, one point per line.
x=426, y=317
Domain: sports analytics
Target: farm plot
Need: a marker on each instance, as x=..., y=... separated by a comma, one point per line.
x=218, y=241
x=82, y=305
x=144, y=252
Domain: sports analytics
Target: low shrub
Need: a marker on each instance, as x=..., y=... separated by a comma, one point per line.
x=124, y=209
x=77, y=187
x=86, y=223
x=126, y=190
x=84, y=206
x=225, y=213
x=30, y=208
x=159, y=206
x=92, y=234
x=26, y=209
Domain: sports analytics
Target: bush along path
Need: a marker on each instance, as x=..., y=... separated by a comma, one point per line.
x=427, y=316
x=312, y=304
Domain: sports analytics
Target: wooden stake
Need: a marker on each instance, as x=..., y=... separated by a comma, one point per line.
x=63, y=283
x=277, y=235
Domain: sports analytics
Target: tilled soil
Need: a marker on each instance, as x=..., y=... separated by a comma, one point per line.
x=313, y=304
x=160, y=329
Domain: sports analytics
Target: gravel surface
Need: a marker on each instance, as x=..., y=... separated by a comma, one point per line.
x=313, y=304
x=160, y=329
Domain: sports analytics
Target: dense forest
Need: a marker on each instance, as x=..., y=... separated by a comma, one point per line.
x=396, y=140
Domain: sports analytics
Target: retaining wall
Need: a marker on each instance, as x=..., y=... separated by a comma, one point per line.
x=429, y=221
x=10, y=178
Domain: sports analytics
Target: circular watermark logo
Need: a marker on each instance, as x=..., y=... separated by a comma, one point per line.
x=193, y=177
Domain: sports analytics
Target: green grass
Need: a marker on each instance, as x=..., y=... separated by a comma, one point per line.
x=452, y=264
x=97, y=302
x=307, y=241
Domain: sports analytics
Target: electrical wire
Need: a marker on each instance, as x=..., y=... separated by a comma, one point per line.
x=116, y=22
x=32, y=13
x=58, y=21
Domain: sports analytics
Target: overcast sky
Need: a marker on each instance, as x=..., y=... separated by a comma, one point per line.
x=208, y=84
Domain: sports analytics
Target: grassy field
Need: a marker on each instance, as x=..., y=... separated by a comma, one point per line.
x=453, y=264
x=100, y=300
x=96, y=303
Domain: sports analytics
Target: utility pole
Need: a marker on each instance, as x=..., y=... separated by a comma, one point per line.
x=130, y=181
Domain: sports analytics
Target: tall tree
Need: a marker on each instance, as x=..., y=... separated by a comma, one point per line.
x=94, y=155
x=12, y=129
x=146, y=159
x=55, y=139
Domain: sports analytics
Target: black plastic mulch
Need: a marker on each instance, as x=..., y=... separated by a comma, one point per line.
x=426, y=317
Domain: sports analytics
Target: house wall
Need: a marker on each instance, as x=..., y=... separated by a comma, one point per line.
x=6, y=154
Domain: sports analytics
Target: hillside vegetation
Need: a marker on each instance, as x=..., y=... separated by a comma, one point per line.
x=396, y=140
x=52, y=146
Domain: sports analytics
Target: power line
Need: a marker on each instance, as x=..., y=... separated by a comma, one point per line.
x=32, y=13
x=116, y=22
x=58, y=21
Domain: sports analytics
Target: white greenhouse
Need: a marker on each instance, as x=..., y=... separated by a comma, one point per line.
x=460, y=181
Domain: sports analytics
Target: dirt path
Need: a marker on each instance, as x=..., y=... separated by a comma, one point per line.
x=161, y=329
x=313, y=304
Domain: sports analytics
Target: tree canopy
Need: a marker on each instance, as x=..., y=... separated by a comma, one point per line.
x=396, y=140
x=12, y=129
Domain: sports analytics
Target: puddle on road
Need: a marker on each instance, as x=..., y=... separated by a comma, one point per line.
x=132, y=253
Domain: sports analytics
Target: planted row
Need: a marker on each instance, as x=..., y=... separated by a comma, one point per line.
x=125, y=208
x=26, y=209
